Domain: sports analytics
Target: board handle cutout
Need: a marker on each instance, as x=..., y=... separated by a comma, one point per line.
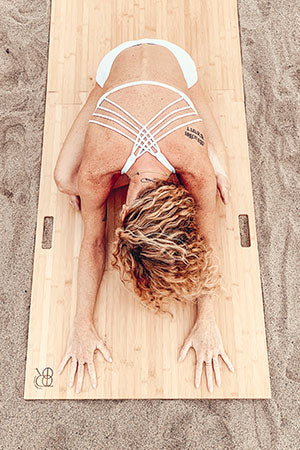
x=244, y=230
x=47, y=232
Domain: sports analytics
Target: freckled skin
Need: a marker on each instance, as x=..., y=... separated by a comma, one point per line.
x=144, y=62
x=88, y=168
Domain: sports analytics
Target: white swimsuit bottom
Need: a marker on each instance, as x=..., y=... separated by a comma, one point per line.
x=185, y=61
x=145, y=138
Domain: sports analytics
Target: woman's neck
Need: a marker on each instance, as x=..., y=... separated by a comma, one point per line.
x=148, y=176
x=140, y=180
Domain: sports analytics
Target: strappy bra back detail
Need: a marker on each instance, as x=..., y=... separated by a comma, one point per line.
x=145, y=138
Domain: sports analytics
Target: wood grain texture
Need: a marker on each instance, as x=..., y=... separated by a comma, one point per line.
x=144, y=347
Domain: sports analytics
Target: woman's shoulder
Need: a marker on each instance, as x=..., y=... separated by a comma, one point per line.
x=186, y=148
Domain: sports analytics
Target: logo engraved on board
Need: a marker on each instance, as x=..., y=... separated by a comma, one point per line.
x=44, y=379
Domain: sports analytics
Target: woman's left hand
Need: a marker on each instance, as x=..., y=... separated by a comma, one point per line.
x=205, y=338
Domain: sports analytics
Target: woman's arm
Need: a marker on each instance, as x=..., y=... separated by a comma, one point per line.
x=91, y=265
x=83, y=338
x=205, y=336
x=201, y=183
x=92, y=255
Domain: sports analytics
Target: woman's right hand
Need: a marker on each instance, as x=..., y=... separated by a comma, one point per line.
x=83, y=341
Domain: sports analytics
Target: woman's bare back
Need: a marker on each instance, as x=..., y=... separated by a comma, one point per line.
x=142, y=62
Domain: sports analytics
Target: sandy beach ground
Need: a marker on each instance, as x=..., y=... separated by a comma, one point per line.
x=269, y=34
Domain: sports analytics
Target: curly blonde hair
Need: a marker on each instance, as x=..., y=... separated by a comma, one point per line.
x=160, y=249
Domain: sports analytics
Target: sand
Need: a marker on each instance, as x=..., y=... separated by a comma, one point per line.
x=269, y=51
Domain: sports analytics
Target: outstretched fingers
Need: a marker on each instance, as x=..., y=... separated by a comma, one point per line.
x=199, y=366
x=104, y=350
x=63, y=362
x=80, y=376
x=184, y=350
x=227, y=361
x=217, y=370
x=73, y=371
x=209, y=377
x=92, y=372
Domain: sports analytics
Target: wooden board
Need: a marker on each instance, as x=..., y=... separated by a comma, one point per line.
x=144, y=347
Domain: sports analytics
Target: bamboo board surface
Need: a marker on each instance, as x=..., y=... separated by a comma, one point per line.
x=144, y=347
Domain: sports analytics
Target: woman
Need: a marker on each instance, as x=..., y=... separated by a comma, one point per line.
x=147, y=118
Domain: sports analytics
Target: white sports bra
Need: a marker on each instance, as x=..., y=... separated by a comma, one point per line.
x=145, y=138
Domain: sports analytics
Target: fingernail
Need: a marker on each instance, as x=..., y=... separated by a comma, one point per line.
x=109, y=359
x=197, y=385
x=210, y=389
x=94, y=386
x=180, y=358
x=70, y=384
x=58, y=371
